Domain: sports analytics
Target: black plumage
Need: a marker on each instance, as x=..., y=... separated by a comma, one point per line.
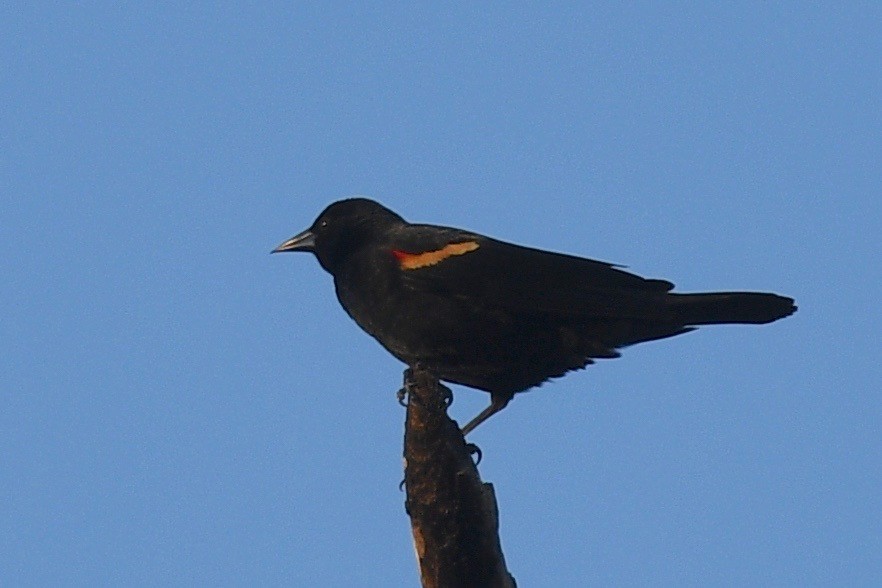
x=496, y=316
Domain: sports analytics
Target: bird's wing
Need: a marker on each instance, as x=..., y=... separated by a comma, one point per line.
x=457, y=263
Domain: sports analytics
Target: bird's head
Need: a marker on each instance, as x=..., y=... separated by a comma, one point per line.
x=341, y=229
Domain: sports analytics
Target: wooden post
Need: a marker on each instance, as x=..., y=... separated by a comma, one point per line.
x=453, y=514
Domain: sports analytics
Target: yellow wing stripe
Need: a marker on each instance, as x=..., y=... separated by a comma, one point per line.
x=411, y=261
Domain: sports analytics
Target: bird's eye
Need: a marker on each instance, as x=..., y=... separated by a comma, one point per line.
x=323, y=224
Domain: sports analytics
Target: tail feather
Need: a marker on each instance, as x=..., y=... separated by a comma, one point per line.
x=715, y=308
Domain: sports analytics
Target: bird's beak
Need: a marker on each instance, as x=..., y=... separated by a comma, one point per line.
x=304, y=241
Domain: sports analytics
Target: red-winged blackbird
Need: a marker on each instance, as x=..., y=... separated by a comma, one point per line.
x=497, y=316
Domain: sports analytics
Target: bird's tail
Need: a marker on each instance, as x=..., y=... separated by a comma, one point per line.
x=714, y=308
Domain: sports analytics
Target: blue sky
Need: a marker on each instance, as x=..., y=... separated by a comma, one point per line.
x=182, y=408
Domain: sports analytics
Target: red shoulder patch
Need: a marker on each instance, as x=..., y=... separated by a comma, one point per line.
x=410, y=261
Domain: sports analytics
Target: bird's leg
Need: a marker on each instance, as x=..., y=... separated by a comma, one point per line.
x=497, y=403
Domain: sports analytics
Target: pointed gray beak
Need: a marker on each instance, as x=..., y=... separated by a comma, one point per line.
x=304, y=241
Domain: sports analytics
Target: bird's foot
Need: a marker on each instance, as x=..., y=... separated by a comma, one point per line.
x=404, y=391
x=447, y=399
x=475, y=450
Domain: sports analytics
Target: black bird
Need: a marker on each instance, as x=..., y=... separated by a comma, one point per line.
x=496, y=316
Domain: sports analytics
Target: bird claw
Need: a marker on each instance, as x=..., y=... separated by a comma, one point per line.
x=448, y=395
x=404, y=392
x=474, y=450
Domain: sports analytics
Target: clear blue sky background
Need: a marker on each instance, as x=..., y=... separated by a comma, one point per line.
x=181, y=408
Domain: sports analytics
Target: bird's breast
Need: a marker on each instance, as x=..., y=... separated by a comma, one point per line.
x=413, y=325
